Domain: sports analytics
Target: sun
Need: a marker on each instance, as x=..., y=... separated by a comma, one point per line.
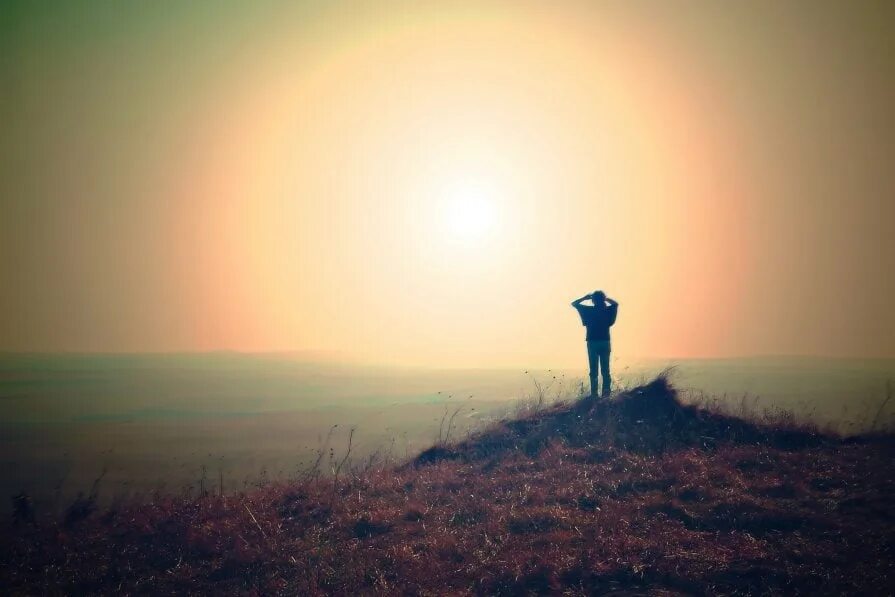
x=469, y=213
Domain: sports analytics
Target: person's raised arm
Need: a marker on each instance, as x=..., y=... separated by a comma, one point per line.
x=613, y=310
x=577, y=302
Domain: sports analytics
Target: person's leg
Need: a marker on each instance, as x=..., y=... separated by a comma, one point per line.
x=604, y=368
x=592, y=357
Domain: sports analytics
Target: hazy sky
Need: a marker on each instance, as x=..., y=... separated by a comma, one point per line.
x=433, y=183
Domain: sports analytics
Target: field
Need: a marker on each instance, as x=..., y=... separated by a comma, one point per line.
x=641, y=494
x=169, y=423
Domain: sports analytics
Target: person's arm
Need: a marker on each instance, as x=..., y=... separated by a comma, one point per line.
x=577, y=302
x=613, y=310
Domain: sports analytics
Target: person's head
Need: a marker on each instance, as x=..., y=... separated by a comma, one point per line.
x=598, y=297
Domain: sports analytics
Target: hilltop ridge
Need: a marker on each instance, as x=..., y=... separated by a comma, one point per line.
x=648, y=419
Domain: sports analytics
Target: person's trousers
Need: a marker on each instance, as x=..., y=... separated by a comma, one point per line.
x=598, y=360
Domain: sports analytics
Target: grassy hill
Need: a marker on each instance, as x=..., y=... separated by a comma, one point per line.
x=639, y=495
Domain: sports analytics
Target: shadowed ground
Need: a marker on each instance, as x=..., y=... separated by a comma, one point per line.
x=639, y=494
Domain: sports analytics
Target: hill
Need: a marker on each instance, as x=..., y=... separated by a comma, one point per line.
x=638, y=494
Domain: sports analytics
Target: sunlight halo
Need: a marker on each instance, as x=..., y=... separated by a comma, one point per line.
x=469, y=213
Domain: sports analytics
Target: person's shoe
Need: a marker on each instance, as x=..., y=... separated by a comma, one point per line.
x=594, y=391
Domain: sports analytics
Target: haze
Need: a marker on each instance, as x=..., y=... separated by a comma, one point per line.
x=433, y=183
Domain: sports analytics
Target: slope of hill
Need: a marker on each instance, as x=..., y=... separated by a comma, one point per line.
x=641, y=494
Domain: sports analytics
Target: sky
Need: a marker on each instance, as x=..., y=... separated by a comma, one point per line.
x=432, y=183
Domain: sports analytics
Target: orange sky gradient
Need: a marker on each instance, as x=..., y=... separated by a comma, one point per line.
x=300, y=176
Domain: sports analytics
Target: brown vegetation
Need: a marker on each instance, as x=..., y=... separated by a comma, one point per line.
x=641, y=493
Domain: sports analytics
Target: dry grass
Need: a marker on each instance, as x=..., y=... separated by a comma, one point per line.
x=640, y=494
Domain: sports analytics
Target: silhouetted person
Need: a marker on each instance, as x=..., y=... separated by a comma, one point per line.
x=598, y=318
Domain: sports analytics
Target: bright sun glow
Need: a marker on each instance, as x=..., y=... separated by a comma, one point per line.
x=469, y=213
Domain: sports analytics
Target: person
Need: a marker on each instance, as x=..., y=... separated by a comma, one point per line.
x=598, y=318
